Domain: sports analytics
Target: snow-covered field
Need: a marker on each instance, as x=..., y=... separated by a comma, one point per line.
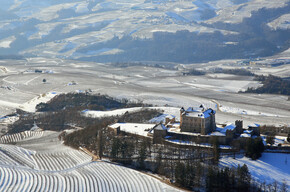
x=41, y=163
x=160, y=87
x=269, y=168
x=95, y=114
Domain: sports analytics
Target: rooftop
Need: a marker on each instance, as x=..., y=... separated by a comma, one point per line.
x=134, y=128
x=230, y=127
x=199, y=112
x=245, y=135
x=254, y=125
x=216, y=133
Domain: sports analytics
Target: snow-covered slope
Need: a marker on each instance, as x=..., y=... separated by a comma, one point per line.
x=62, y=28
x=42, y=163
x=269, y=168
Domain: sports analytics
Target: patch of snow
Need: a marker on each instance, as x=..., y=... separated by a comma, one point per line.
x=246, y=112
x=97, y=114
x=30, y=105
x=5, y=43
x=134, y=128
x=246, y=135
x=161, y=118
x=280, y=23
x=216, y=133
x=229, y=126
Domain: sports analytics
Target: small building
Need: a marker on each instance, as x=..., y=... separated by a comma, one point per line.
x=159, y=132
x=133, y=128
x=169, y=119
x=230, y=131
x=255, y=128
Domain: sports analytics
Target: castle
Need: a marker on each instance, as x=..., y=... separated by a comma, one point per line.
x=197, y=124
x=197, y=120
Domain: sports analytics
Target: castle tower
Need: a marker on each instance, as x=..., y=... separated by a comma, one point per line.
x=239, y=126
x=181, y=112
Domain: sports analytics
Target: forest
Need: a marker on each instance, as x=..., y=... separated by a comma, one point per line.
x=64, y=112
x=272, y=85
x=241, y=72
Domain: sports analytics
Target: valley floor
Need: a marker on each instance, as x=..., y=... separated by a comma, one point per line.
x=22, y=87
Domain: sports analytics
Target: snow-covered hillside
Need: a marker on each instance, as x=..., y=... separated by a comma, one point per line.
x=42, y=163
x=269, y=168
x=62, y=28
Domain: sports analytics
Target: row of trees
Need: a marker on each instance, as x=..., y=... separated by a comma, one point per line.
x=225, y=179
x=242, y=72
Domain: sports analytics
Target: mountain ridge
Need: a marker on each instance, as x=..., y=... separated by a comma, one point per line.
x=110, y=31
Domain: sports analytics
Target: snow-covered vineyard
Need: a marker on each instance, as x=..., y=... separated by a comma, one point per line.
x=94, y=176
x=20, y=136
x=65, y=170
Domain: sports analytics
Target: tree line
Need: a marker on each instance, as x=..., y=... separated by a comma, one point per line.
x=272, y=85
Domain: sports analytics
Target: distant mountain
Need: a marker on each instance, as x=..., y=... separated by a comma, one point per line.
x=144, y=30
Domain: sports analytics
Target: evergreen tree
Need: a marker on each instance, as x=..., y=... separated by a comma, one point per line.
x=142, y=155
x=159, y=167
x=179, y=174
x=210, y=179
x=115, y=148
x=270, y=139
x=190, y=175
x=198, y=174
x=100, y=143
x=254, y=148
x=244, y=178
x=284, y=187
x=216, y=151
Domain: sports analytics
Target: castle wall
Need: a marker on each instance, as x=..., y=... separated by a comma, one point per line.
x=191, y=124
x=199, y=138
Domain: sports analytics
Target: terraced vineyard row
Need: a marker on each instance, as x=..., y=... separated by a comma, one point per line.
x=14, y=155
x=94, y=176
x=61, y=168
x=20, y=136
x=61, y=160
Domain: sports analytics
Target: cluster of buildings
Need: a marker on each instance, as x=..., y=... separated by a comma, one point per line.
x=197, y=124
